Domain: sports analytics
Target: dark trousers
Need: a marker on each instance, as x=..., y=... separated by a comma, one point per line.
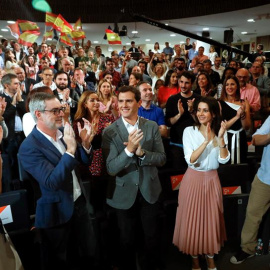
x=141, y=215
x=177, y=158
x=68, y=246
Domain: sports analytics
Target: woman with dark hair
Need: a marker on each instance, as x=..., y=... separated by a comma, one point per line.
x=31, y=67
x=204, y=85
x=156, y=48
x=200, y=228
x=88, y=108
x=228, y=71
x=10, y=61
x=135, y=78
x=237, y=114
x=170, y=88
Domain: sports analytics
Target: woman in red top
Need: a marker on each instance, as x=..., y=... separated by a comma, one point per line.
x=170, y=88
x=88, y=108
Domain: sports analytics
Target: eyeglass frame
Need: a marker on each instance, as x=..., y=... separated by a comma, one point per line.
x=56, y=111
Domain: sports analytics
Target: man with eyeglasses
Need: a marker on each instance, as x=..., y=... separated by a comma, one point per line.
x=15, y=109
x=47, y=79
x=52, y=157
x=248, y=91
x=25, y=83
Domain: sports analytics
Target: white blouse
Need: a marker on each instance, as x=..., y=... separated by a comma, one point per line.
x=210, y=158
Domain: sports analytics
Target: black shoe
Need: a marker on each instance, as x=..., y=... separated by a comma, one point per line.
x=240, y=257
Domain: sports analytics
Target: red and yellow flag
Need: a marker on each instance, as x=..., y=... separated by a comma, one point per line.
x=77, y=35
x=14, y=30
x=48, y=34
x=113, y=38
x=78, y=25
x=50, y=18
x=27, y=25
x=65, y=39
x=61, y=25
x=27, y=38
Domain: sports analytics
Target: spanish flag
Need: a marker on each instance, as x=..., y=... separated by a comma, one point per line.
x=50, y=18
x=27, y=38
x=65, y=39
x=48, y=34
x=27, y=25
x=14, y=30
x=78, y=25
x=113, y=38
x=61, y=25
x=77, y=35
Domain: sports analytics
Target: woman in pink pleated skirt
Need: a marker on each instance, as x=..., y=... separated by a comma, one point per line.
x=199, y=227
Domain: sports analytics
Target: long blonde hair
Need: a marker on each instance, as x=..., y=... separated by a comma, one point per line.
x=99, y=93
x=82, y=111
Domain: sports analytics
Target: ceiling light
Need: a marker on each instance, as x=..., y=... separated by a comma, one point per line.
x=95, y=42
x=210, y=37
x=110, y=49
x=128, y=43
x=4, y=30
x=134, y=32
x=1, y=36
x=243, y=33
x=148, y=39
x=172, y=35
x=166, y=24
x=10, y=22
x=251, y=20
x=182, y=42
x=49, y=38
x=205, y=29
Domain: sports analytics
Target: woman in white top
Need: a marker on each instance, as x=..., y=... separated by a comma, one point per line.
x=10, y=62
x=212, y=54
x=156, y=48
x=200, y=228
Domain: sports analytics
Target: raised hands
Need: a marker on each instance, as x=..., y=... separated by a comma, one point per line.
x=3, y=105
x=208, y=133
x=222, y=129
x=66, y=93
x=69, y=138
x=180, y=107
x=86, y=133
x=134, y=139
x=190, y=103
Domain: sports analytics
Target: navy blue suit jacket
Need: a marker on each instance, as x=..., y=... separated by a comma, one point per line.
x=53, y=171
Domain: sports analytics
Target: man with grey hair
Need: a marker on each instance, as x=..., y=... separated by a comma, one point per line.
x=15, y=109
x=47, y=79
x=52, y=157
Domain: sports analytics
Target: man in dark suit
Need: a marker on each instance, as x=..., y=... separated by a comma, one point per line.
x=132, y=147
x=26, y=83
x=52, y=157
x=15, y=109
x=65, y=94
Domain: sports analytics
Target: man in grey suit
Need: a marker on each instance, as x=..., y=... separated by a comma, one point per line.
x=132, y=148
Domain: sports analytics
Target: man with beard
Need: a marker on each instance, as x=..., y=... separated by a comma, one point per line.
x=178, y=117
x=150, y=111
x=180, y=66
x=248, y=91
x=63, y=93
x=214, y=76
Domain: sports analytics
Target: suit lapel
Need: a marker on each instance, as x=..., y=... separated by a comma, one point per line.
x=143, y=128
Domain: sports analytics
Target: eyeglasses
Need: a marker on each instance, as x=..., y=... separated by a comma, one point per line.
x=47, y=74
x=56, y=111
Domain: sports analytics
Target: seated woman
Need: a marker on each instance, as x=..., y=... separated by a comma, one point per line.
x=135, y=78
x=107, y=101
x=88, y=108
x=237, y=114
x=170, y=88
x=204, y=86
x=199, y=226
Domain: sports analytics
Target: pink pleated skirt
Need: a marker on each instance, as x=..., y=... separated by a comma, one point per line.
x=199, y=226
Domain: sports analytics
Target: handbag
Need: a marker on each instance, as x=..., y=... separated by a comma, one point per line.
x=9, y=258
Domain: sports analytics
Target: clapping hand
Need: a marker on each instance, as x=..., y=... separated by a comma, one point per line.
x=222, y=129
x=190, y=103
x=86, y=133
x=69, y=138
x=134, y=139
x=180, y=107
x=208, y=133
x=3, y=105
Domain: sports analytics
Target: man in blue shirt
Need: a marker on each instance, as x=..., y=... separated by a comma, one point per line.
x=150, y=111
x=259, y=198
x=168, y=50
x=192, y=52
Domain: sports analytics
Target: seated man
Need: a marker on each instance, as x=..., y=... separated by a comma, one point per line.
x=150, y=111
x=52, y=158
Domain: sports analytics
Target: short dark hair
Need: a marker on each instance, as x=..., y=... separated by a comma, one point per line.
x=189, y=75
x=132, y=89
x=60, y=72
x=108, y=60
x=207, y=61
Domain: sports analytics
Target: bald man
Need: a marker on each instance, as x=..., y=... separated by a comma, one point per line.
x=248, y=91
x=26, y=84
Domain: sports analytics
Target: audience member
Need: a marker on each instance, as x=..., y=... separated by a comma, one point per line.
x=47, y=79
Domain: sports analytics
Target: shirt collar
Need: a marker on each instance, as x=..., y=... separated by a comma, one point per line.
x=128, y=125
x=59, y=135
